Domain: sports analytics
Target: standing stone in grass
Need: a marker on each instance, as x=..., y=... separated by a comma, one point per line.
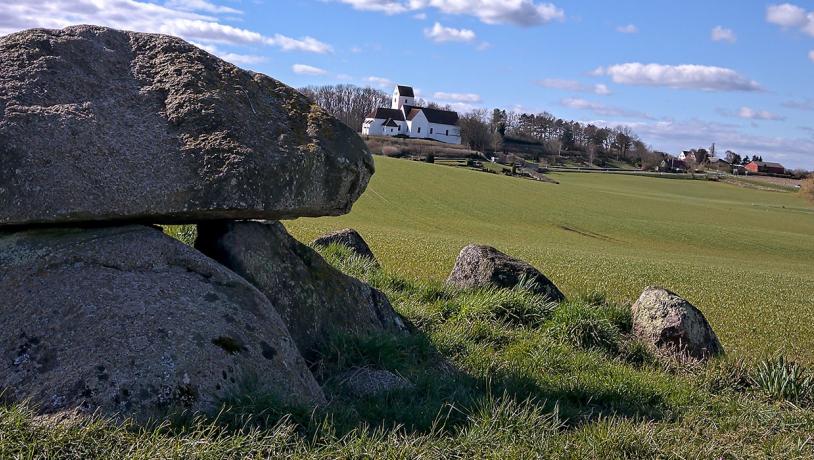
x=483, y=266
x=98, y=124
x=666, y=321
x=134, y=323
x=349, y=238
x=315, y=300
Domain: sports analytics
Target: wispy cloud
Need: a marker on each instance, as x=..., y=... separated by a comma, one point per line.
x=602, y=109
x=234, y=58
x=201, y=5
x=457, y=97
x=722, y=34
x=748, y=113
x=800, y=104
x=303, y=69
x=523, y=13
x=380, y=82
x=193, y=20
x=440, y=34
x=574, y=86
x=687, y=76
x=628, y=29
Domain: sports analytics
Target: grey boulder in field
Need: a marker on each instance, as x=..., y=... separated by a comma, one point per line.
x=483, y=266
x=349, y=238
x=130, y=322
x=664, y=320
x=98, y=124
x=315, y=300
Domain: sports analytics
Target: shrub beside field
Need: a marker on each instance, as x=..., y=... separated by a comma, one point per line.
x=416, y=148
x=807, y=189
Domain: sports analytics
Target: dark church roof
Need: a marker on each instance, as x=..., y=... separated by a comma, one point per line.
x=391, y=123
x=441, y=117
x=406, y=91
x=384, y=114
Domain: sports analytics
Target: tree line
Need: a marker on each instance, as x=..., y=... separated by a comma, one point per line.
x=490, y=130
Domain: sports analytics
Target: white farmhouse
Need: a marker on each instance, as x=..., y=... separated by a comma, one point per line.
x=406, y=119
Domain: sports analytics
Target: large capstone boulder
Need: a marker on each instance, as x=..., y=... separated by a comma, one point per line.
x=349, y=238
x=484, y=266
x=666, y=321
x=316, y=301
x=136, y=324
x=98, y=124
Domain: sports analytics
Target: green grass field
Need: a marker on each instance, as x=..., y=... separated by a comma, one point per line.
x=743, y=256
x=506, y=374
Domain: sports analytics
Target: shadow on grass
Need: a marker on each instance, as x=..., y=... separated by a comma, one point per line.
x=443, y=397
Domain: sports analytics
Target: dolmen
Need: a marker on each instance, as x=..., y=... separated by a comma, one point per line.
x=105, y=134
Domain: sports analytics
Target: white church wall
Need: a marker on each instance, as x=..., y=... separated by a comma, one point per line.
x=444, y=133
x=373, y=127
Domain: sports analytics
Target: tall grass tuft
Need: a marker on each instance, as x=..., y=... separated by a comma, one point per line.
x=783, y=380
x=518, y=306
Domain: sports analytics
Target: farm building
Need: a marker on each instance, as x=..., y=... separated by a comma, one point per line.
x=671, y=164
x=765, y=167
x=720, y=164
x=406, y=119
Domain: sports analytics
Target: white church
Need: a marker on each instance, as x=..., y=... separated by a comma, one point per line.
x=404, y=118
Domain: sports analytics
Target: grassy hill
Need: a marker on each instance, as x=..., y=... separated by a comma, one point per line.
x=743, y=256
x=506, y=374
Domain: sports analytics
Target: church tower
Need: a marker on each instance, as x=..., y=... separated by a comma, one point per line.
x=403, y=95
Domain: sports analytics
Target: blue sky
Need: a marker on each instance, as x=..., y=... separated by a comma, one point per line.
x=681, y=74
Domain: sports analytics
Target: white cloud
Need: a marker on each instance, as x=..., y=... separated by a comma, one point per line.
x=722, y=34
x=602, y=109
x=380, y=82
x=192, y=20
x=524, y=13
x=687, y=76
x=457, y=97
x=200, y=5
x=441, y=34
x=791, y=16
x=628, y=29
x=574, y=86
x=420, y=16
x=234, y=58
x=811, y=55
x=786, y=15
x=748, y=113
x=601, y=89
x=752, y=114
x=304, y=69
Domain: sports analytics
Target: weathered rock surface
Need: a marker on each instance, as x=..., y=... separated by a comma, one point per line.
x=482, y=266
x=315, y=300
x=363, y=382
x=349, y=238
x=665, y=320
x=130, y=321
x=98, y=124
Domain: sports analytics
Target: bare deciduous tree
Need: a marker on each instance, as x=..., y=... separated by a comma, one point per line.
x=350, y=104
